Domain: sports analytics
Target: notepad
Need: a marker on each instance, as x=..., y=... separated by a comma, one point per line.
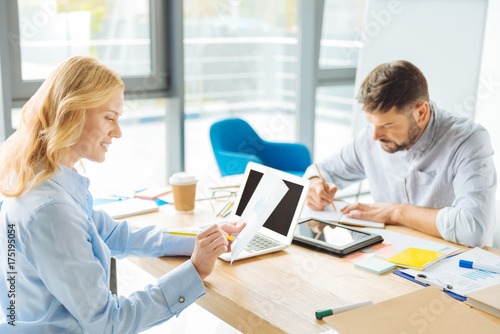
x=416, y=258
x=129, y=207
x=374, y=265
x=328, y=214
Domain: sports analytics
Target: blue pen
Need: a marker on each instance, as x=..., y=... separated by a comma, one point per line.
x=477, y=265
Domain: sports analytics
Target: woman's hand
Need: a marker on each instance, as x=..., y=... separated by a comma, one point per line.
x=209, y=244
x=231, y=229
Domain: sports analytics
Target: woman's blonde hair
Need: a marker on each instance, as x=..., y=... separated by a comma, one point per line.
x=52, y=121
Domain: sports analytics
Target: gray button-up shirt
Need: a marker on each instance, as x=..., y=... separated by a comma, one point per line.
x=450, y=168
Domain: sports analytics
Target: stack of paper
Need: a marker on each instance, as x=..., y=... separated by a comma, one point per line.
x=416, y=258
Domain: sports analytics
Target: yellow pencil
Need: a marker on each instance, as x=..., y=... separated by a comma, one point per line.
x=193, y=234
x=324, y=183
x=227, y=211
x=225, y=208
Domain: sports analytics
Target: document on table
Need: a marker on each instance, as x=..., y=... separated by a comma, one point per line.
x=447, y=274
x=264, y=200
x=330, y=215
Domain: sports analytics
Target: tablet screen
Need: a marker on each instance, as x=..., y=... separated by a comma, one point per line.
x=336, y=236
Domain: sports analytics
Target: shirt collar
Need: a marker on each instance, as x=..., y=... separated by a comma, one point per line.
x=75, y=184
x=430, y=130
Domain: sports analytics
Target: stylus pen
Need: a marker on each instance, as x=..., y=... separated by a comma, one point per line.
x=325, y=313
x=194, y=234
x=324, y=184
x=478, y=265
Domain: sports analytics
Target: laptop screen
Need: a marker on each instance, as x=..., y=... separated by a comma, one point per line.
x=281, y=218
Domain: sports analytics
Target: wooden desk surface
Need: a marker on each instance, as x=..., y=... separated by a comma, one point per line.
x=278, y=292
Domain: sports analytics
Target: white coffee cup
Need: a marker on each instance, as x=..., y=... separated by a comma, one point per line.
x=184, y=190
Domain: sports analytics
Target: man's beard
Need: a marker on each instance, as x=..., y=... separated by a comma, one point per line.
x=413, y=133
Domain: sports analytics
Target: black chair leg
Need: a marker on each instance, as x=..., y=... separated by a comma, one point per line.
x=113, y=286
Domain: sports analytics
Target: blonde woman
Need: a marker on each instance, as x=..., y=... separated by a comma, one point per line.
x=62, y=246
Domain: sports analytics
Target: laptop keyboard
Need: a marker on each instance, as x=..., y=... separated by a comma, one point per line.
x=259, y=243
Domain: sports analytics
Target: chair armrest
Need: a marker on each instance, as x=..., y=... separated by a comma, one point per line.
x=231, y=163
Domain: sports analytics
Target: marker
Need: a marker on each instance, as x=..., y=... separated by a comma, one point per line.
x=325, y=313
x=478, y=265
x=193, y=234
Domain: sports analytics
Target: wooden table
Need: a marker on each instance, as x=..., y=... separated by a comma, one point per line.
x=278, y=292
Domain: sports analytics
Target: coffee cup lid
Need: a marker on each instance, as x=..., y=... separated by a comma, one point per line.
x=183, y=178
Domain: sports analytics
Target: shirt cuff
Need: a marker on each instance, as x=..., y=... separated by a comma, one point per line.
x=310, y=172
x=177, y=244
x=181, y=287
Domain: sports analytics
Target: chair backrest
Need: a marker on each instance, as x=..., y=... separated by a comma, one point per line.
x=235, y=135
x=235, y=143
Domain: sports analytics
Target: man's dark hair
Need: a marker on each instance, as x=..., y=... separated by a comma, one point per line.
x=397, y=84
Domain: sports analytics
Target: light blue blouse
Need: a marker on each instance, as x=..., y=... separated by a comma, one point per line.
x=449, y=168
x=62, y=259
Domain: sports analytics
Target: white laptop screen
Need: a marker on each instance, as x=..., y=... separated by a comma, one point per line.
x=280, y=220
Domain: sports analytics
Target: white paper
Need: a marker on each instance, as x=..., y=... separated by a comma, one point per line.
x=462, y=280
x=266, y=197
x=330, y=215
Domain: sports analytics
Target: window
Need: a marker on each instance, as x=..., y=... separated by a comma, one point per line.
x=124, y=34
x=340, y=44
x=240, y=61
x=129, y=36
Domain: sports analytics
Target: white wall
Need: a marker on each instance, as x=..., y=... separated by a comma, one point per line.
x=488, y=95
x=444, y=38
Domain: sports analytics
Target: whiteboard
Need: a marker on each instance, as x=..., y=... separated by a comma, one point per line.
x=444, y=38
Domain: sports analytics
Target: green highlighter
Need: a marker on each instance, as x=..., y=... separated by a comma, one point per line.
x=325, y=313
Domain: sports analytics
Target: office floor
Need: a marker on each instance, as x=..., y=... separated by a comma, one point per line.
x=193, y=320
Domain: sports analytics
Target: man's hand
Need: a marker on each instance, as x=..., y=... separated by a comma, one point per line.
x=378, y=212
x=320, y=194
x=416, y=217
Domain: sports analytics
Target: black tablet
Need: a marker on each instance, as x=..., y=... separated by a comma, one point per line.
x=332, y=237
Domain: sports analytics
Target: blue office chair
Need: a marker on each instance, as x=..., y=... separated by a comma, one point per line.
x=235, y=144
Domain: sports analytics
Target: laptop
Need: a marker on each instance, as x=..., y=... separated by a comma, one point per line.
x=278, y=230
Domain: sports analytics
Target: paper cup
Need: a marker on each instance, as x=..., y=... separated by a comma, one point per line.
x=184, y=190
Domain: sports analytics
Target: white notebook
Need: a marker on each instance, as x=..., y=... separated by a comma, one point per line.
x=330, y=215
x=128, y=207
